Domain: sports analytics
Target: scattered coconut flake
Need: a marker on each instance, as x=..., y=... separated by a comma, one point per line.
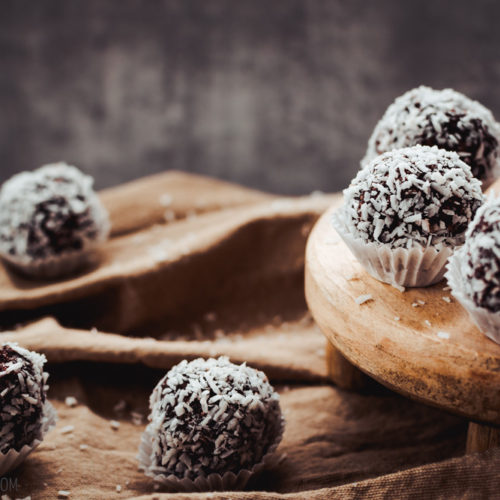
x=414, y=304
x=118, y=488
x=165, y=200
x=169, y=216
x=282, y=204
x=219, y=333
x=70, y=401
x=443, y=335
x=421, y=302
x=191, y=214
x=198, y=332
x=427, y=322
x=120, y=406
x=210, y=317
x=84, y=447
x=115, y=425
x=317, y=194
x=446, y=299
x=67, y=429
x=63, y=494
x=137, y=418
x=396, y=318
x=361, y=299
x=445, y=288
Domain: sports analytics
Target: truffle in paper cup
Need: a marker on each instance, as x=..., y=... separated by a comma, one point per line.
x=488, y=322
x=51, y=221
x=474, y=270
x=213, y=424
x=212, y=482
x=25, y=413
x=12, y=458
x=406, y=211
x=399, y=267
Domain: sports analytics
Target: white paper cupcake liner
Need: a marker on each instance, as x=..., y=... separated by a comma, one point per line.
x=212, y=482
x=399, y=267
x=13, y=458
x=488, y=322
x=58, y=266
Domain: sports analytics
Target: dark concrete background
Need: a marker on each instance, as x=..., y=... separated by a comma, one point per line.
x=276, y=94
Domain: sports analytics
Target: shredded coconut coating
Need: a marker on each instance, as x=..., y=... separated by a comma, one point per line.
x=443, y=118
x=482, y=257
x=212, y=416
x=418, y=196
x=23, y=392
x=49, y=212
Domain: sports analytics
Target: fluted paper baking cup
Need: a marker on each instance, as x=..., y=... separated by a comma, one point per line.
x=212, y=482
x=488, y=322
x=399, y=267
x=13, y=458
x=57, y=266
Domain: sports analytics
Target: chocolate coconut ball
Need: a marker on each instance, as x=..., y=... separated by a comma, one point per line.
x=442, y=118
x=50, y=219
x=212, y=416
x=23, y=395
x=481, y=258
x=418, y=196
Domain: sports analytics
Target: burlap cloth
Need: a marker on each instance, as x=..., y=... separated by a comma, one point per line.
x=197, y=267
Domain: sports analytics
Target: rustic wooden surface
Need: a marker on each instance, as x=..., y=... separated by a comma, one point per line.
x=342, y=372
x=481, y=438
x=433, y=353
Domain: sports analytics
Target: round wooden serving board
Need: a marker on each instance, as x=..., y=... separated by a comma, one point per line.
x=433, y=353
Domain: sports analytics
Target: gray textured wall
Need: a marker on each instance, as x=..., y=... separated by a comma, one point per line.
x=276, y=94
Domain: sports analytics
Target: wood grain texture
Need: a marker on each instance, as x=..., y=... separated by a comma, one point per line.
x=342, y=372
x=481, y=438
x=433, y=353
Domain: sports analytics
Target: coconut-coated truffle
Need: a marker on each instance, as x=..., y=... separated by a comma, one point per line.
x=50, y=214
x=443, y=118
x=418, y=196
x=481, y=257
x=212, y=416
x=23, y=394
